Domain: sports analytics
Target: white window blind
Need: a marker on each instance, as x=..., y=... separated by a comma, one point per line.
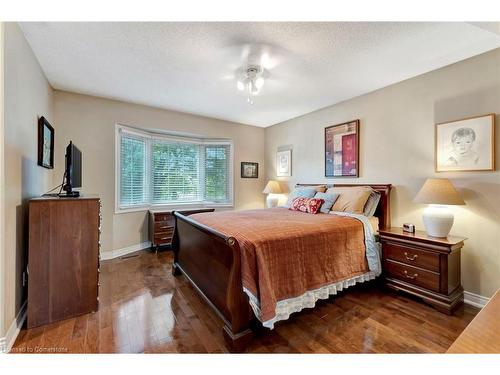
x=162, y=170
x=176, y=172
x=217, y=184
x=132, y=170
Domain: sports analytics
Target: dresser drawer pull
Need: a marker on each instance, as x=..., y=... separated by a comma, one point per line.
x=164, y=238
x=410, y=276
x=165, y=227
x=411, y=258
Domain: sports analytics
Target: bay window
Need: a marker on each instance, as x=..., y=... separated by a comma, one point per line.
x=157, y=170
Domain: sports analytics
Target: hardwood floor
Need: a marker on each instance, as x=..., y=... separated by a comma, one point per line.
x=143, y=308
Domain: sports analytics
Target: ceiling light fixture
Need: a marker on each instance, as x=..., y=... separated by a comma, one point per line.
x=251, y=82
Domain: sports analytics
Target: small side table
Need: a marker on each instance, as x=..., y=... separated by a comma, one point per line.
x=161, y=228
x=427, y=267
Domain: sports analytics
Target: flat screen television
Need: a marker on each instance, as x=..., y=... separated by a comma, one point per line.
x=73, y=171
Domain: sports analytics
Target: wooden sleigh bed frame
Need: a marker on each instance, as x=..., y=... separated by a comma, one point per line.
x=211, y=262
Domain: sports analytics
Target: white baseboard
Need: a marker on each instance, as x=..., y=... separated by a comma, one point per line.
x=106, y=255
x=8, y=341
x=475, y=299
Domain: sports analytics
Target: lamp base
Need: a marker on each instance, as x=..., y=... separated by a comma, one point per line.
x=272, y=200
x=438, y=220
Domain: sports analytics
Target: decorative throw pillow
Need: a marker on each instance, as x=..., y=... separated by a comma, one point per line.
x=318, y=188
x=371, y=204
x=329, y=201
x=351, y=199
x=305, y=192
x=308, y=205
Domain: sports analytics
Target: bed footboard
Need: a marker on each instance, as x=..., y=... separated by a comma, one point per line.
x=211, y=262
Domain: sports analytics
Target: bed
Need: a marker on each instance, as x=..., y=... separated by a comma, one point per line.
x=267, y=264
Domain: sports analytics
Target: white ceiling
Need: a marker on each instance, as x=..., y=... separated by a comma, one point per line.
x=191, y=67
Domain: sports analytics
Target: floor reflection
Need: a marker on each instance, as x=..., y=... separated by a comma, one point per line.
x=143, y=308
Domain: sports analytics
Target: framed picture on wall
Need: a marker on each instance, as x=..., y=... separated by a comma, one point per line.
x=284, y=163
x=45, y=143
x=249, y=169
x=342, y=150
x=466, y=144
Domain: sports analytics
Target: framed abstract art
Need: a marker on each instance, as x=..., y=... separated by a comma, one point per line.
x=342, y=150
x=466, y=145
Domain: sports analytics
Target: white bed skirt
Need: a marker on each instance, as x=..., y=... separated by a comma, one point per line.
x=291, y=305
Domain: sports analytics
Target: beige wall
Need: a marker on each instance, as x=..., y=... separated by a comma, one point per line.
x=397, y=146
x=90, y=123
x=2, y=181
x=27, y=96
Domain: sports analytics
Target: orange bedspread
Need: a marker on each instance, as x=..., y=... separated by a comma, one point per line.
x=287, y=253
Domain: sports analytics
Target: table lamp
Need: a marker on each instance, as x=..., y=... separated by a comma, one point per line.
x=272, y=190
x=438, y=193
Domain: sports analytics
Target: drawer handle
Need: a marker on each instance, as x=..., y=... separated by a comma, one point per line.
x=410, y=276
x=164, y=238
x=165, y=227
x=411, y=258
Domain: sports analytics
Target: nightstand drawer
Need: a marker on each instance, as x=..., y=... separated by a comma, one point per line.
x=163, y=226
x=413, y=275
x=167, y=217
x=162, y=238
x=411, y=256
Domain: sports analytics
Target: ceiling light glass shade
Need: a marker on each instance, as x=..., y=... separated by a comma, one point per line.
x=251, y=83
x=254, y=90
x=259, y=82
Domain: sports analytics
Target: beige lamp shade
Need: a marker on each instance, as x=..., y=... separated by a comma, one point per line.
x=272, y=187
x=439, y=191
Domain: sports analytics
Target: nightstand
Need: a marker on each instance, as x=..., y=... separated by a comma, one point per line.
x=161, y=228
x=427, y=267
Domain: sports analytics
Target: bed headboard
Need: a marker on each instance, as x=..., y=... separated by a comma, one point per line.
x=383, y=211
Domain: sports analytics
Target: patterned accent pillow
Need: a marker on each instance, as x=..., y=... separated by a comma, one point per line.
x=301, y=192
x=308, y=205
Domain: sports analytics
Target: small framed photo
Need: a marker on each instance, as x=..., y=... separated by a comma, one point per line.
x=249, y=169
x=45, y=143
x=342, y=150
x=466, y=145
x=284, y=163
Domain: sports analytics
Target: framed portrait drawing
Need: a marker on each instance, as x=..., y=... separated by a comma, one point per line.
x=466, y=144
x=284, y=163
x=342, y=150
x=249, y=170
x=45, y=143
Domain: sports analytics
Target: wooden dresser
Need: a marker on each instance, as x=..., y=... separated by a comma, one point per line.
x=482, y=335
x=63, y=259
x=427, y=267
x=161, y=228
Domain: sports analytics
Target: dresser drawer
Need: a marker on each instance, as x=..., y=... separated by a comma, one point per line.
x=163, y=226
x=164, y=217
x=413, y=257
x=416, y=276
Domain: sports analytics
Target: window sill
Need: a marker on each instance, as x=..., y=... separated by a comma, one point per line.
x=175, y=206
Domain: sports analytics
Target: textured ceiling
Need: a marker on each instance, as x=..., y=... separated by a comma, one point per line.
x=191, y=67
